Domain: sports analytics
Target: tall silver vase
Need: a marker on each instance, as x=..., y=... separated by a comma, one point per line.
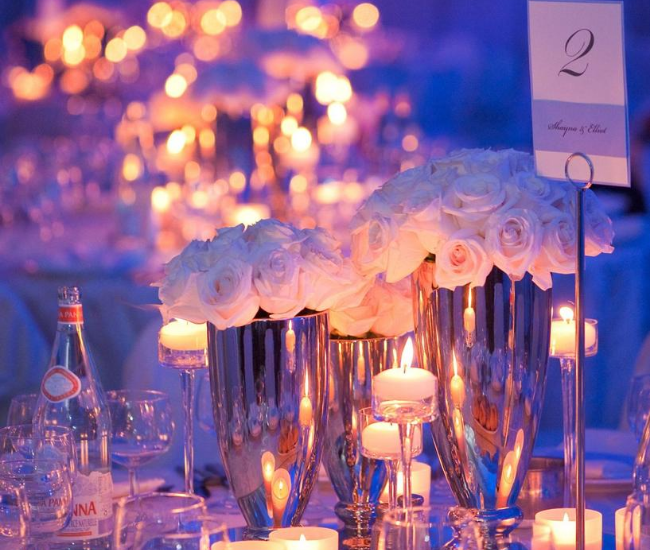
x=269, y=382
x=491, y=368
x=358, y=481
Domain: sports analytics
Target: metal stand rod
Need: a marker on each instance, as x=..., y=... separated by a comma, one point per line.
x=580, y=347
x=187, y=387
x=567, y=366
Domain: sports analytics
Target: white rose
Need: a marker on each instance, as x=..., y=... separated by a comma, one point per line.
x=599, y=232
x=271, y=230
x=226, y=293
x=395, y=308
x=386, y=310
x=371, y=242
x=535, y=191
x=473, y=198
x=513, y=239
x=462, y=260
x=405, y=254
x=334, y=281
x=179, y=269
x=558, y=251
x=282, y=286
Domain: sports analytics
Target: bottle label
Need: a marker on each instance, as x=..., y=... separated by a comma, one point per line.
x=60, y=384
x=71, y=315
x=92, y=508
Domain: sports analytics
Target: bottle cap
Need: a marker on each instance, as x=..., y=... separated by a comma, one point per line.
x=69, y=295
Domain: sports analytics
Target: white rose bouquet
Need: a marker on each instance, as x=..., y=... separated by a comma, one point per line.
x=269, y=269
x=473, y=210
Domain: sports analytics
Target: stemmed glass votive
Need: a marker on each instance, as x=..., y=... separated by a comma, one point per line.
x=203, y=532
x=405, y=396
x=563, y=337
x=27, y=441
x=142, y=428
x=381, y=441
x=47, y=489
x=183, y=346
x=21, y=409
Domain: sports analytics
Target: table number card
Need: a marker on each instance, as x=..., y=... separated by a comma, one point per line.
x=579, y=100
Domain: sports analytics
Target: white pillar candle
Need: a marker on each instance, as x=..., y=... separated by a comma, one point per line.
x=420, y=482
x=619, y=519
x=306, y=538
x=562, y=522
x=381, y=440
x=404, y=383
x=184, y=336
x=563, y=334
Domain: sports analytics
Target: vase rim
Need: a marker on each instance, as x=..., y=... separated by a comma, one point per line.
x=269, y=319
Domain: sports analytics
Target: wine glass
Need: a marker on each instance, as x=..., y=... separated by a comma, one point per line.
x=424, y=528
x=205, y=418
x=142, y=428
x=638, y=406
x=381, y=441
x=49, y=442
x=149, y=515
x=199, y=534
x=21, y=409
x=48, y=491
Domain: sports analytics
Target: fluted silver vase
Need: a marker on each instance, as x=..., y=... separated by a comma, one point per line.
x=358, y=481
x=269, y=382
x=489, y=348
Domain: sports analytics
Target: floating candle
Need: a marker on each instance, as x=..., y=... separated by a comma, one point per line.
x=562, y=522
x=563, y=335
x=381, y=440
x=404, y=383
x=184, y=336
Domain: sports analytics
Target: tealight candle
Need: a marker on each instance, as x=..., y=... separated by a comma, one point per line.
x=306, y=538
x=268, y=467
x=381, y=439
x=404, y=383
x=457, y=386
x=562, y=522
x=563, y=334
x=420, y=482
x=184, y=336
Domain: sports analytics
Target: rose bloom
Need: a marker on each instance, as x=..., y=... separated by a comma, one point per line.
x=513, y=239
x=558, y=251
x=462, y=260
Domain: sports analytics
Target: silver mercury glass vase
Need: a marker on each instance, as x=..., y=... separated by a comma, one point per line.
x=269, y=383
x=358, y=481
x=489, y=347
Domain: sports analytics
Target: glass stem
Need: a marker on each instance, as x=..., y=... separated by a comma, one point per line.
x=133, y=482
x=406, y=440
x=392, y=467
x=567, y=366
x=187, y=386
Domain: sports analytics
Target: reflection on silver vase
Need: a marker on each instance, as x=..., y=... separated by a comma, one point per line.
x=357, y=480
x=269, y=382
x=489, y=348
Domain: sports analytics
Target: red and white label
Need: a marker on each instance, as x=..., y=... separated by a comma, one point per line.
x=92, y=511
x=60, y=384
x=71, y=315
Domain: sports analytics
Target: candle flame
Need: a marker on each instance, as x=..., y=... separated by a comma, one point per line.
x=395, y=363
x=469, y=298
x=453, y=357
x=302, y=538
x=565, y=519
x=566, y=313
x=407, y=354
